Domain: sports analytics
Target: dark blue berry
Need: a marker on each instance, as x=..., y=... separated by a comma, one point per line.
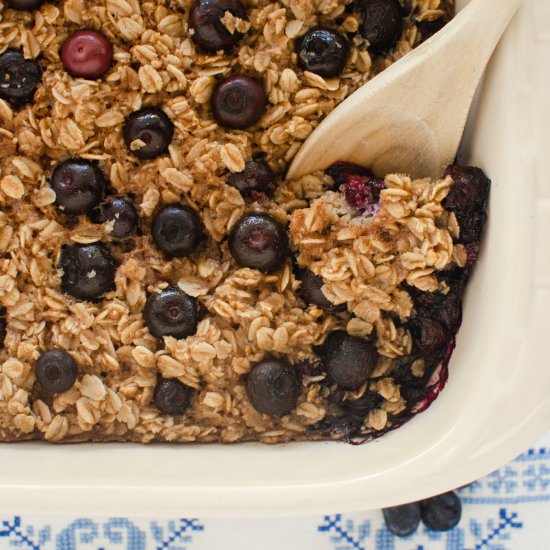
x=469, y=191
x=429, y=336
x=310, y=291
x=381, y=23
x=341, y=171
x=256, y=179
x=428, y=27
x=177, y=230
x=171, y=396
x=78, y=186
x=441, y=513
x=88, y=271
x=323, y=51
x=209, y=32
x=348, y=360
x=403, y=520
x=238, y=102
x=24, y=5
x=122, y=212
x=273, y=387
x=153, y=127
x=3, y=330
x=19, y=77
x=260, y=242
x=56, y=371
x=171, y=313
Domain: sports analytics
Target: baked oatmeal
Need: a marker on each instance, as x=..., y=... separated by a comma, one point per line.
x=160, y=280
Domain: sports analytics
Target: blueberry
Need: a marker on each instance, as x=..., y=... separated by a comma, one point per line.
x=446, y=309
x=323, y=51
x=256, y=179
x=238, y=102
x=177, y=230
x=356, y=410
x=171, y=396
x=88, y=271
x=403, y=520
x=363, y=194
x=122, y=212
x=471, y=225
x=260, y=242
x=171, y=313
x=56, y=371
x=24, y=5
x=381, y=23
x=87, y=54
x=429, y=336
x=428, y=27
x=78, y=186
x=469, y=191
x=348, y=360
x=310, y=291
x=209, y=32
x=153, y=127
x=441, y=513
x=341, y=171
x=273, y=387
x=19, y=77
x=3, y=330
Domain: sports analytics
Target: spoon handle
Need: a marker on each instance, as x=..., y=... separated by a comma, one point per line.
x=467, y=43
x=411, y=117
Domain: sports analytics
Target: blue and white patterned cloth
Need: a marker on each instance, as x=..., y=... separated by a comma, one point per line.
x=507, y=510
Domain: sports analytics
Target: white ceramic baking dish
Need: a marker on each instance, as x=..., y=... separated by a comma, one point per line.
x=496, y=403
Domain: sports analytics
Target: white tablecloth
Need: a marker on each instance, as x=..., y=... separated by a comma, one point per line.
x=507, y=510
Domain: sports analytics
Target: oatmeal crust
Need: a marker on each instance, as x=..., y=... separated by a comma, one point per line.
x=250, y=315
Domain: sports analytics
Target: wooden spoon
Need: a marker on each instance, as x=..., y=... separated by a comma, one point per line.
x=410, y=118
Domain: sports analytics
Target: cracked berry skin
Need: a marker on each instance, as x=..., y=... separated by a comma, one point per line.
x=87, y=54
x=381, y=23
x=152, y=126
x=171, y=396
x=323, y=51
x=403, y=520
x=56, y=371
x=88, y=271
x=348, y=360
x=441, y=513
x=24, y=5
x=255, y=180
x=273, y=387
x=19, y=77
x=171, y=312
x=238, y=102
x=122, y=212
x=310, y=291
x=341, y=171
x=78, y=186
x=467, y=199
x=210, y=34
x=363, y=194
x=177, y=230
x=260, y=242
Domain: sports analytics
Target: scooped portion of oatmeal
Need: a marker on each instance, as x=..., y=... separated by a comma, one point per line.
x=160, y=280
x=397, y=253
